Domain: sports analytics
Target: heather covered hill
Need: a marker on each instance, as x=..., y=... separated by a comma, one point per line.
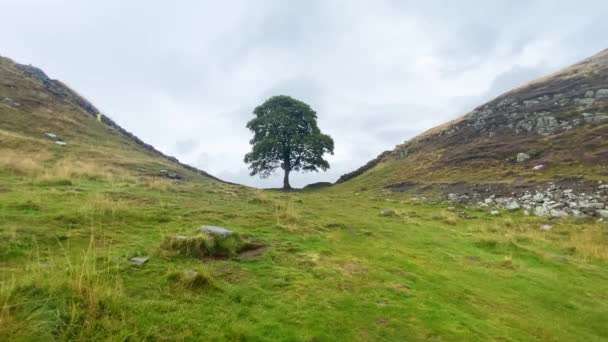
x=559, y=121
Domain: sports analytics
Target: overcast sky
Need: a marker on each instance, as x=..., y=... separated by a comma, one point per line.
x=185, y=75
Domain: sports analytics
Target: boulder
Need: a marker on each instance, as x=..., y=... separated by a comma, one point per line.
x=217, y=231
x=603, y=213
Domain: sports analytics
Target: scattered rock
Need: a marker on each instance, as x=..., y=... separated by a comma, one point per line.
x=538, y=167
x=180, y=237
x=546, y=227
x=464, y=215
x=52, y=136
x=10, y=102
x=453, y=197
x=61, y=143
x=217, y=231
x=603, y=213
x=138, y=261
x=522, y=157
x=170, y=175
x=388, y=212
x=494, y=212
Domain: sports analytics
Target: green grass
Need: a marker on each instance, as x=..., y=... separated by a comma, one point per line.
x=334, y=268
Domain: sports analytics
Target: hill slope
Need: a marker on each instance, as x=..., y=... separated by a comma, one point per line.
x=321, y=265
x=559, y=122
x=32, y=105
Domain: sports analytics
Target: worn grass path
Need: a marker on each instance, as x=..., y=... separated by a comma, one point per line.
x=334, y=269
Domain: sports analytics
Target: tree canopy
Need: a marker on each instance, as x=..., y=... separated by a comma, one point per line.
x=286, y=135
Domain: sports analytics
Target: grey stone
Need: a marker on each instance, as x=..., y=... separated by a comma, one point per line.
x=522, y=157
x=558, y=213
x=591, y=205
x=214, y=230
x=539, y=197
x=494, y=212
x=138, y=261
x=541, y=211
x=51, y=136
x=589, y=93
x=388, y=212
x=180, y=237
x=601, y=93
x=538, y=167
x=546, y=227
x=453, y=197
x=584, y=102
x=61, y=143
x=603, y=213
x=513, y=205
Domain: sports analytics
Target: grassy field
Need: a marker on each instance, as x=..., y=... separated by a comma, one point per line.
x=334, y=268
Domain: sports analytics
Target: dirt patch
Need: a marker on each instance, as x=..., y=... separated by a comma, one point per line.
x=252, y=251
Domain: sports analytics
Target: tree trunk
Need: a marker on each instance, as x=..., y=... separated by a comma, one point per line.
x=286, y=185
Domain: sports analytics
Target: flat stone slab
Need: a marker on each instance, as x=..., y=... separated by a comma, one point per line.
x=51, y=136
x=138, y=261
x=214, y=230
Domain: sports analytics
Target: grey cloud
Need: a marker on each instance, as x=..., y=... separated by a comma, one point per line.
x=186, y=76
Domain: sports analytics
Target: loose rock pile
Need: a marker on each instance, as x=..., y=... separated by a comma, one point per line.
x=553, y=201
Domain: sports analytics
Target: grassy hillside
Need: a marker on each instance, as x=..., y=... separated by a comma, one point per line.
x=327, y=265
x=32, y=105
x=334, y=268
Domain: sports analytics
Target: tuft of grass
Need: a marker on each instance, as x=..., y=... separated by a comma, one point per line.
x=193, y=280
x=203, y=245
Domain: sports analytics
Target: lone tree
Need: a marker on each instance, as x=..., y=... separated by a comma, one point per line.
x=286, y=135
